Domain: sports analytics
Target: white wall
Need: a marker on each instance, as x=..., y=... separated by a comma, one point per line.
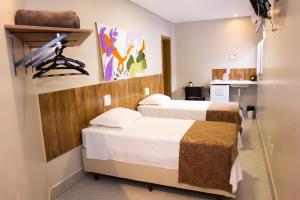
x=278, y=100
x=119, y=13
x=22, y=169
x=202, y=46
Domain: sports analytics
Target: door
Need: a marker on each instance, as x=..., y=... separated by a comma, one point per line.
x=166, y=64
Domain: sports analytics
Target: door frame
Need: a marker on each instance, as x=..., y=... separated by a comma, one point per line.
x=169, y=71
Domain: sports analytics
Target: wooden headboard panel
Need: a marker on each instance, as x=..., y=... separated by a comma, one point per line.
x=64, y=113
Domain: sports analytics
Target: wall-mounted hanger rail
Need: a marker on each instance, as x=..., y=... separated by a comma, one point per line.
x=44, y=41
x=41, y=58
x=36, y=52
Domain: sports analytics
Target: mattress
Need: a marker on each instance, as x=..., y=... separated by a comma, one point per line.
x=147, y=141
x=179, y=109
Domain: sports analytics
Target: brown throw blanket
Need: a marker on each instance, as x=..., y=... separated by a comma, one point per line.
x=207, y=153
x=64, y=19
x=224, y=112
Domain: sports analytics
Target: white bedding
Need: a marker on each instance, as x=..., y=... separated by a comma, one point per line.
x=179, y=109
x=147, y=141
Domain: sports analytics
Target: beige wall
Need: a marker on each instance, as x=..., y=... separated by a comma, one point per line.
x=119, y=13
x=22, y=169
x=202, y=46
x=278, y=101
x=24, y=172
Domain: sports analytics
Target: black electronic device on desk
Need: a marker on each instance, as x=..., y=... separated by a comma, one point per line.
x=194, y=93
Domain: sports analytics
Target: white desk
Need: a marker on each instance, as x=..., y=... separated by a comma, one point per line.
x=215, y=94
x=234, y=83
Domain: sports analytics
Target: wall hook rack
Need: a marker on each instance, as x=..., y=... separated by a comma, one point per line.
x=44, y=40
x=41, y=53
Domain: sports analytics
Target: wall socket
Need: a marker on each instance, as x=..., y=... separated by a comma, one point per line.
x=146, y=91
x=107, y=100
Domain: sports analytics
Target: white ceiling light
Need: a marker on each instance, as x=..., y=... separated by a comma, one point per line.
x=177, y=11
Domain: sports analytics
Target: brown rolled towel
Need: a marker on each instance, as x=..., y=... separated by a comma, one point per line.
x=64, y=19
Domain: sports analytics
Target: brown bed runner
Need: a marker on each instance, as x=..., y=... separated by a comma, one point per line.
x=224, y=112
x=207, y=153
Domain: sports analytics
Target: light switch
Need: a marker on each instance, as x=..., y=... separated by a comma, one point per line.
x=107, y=100
x=147, y=91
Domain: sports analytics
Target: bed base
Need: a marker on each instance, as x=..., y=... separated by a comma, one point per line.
x=143, y=173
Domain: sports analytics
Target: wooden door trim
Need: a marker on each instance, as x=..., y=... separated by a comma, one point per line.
x=164, y=38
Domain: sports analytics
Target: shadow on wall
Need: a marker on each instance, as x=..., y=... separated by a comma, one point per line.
x=28, y=146
x=248, y=96
x=178, y=94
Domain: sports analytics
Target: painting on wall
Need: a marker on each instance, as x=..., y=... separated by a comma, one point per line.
x=122, y=53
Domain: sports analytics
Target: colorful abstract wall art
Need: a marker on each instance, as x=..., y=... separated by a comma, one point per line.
x=122, y=53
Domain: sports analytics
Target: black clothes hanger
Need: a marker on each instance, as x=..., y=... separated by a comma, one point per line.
x=59, y=62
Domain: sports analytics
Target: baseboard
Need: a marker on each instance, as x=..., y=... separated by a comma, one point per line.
x=64, y=185
x=267, y=162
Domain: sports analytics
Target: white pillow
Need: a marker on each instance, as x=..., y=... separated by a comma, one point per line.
x=116, y=117
x=156, y=99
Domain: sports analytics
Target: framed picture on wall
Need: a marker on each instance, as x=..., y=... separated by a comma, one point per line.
x=122, y=53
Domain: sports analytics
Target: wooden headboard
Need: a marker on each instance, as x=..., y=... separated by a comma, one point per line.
x=64, y=113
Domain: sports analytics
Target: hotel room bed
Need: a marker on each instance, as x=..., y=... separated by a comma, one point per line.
x=151, y=148
x=196, y=110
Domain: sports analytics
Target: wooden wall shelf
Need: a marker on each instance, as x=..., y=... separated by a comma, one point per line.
x=44, y=38
x=36, y=36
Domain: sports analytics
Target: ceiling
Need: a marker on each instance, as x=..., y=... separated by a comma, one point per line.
x=177, y=11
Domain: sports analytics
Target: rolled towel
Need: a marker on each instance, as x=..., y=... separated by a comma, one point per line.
x=64, y=19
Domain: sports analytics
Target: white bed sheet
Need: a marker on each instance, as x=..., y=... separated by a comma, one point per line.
x=147, y=141
x=179, y=109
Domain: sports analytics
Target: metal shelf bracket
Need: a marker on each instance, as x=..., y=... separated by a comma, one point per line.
x=37, y=56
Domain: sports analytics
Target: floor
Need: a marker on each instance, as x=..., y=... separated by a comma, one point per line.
x=255, y=185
